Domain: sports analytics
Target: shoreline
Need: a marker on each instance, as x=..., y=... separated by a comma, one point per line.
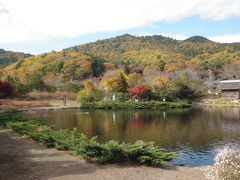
x=44, y=108
x=216, y=105
x=25, y=105
x=74, y=142
x=49, y=108
x=24, y=158
x=22, y=106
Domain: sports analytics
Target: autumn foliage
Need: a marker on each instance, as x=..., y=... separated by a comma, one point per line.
x=5, y=88
x=139, y=91
x=117, y=84
x=115, y=64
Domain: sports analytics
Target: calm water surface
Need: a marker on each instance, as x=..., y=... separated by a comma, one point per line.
x=193, y=133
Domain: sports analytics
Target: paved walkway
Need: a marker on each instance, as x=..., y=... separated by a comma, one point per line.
x=25, y=159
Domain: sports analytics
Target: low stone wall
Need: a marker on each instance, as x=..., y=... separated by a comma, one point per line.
x=230, y=94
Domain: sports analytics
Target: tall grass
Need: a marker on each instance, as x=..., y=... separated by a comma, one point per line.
x=43, y=95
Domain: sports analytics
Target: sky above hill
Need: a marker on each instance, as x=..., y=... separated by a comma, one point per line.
x=37, y=26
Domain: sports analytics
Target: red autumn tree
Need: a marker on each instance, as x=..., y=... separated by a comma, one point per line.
x=5, y=88
x=140, y=91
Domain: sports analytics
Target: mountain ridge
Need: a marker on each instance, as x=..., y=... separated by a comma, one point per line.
x=9, y=57
x=198, y=39
x=135, y=54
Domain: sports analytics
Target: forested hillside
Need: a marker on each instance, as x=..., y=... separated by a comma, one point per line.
x=162, y=53
x=152, y=60
x=8, y=57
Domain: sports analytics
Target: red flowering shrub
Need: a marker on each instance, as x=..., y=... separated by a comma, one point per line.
x=5, y=88
x=140, y=91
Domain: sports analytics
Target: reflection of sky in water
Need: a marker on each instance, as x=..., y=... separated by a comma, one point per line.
x=191, y=157
x=201, y=156
x=194, y=133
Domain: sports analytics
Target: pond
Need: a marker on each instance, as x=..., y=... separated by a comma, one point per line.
x=193, y=133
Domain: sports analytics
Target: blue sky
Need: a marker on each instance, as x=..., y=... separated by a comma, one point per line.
x=33, y=31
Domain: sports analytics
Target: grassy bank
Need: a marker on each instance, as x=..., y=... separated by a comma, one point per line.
x=225, y=103
x=135, y=105
x=90, y=149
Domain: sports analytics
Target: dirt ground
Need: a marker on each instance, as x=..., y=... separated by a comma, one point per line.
x=25, y=159
x=21, y=104
x=9, y=103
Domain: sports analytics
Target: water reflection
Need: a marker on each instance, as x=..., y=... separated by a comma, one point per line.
x=193, y=133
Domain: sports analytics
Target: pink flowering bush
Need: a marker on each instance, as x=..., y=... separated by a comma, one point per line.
x=226, y=167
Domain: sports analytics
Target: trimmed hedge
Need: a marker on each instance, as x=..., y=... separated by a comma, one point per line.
x=140, y=152
x=135, y=105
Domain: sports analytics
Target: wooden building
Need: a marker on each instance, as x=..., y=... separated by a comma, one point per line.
x=230, y=89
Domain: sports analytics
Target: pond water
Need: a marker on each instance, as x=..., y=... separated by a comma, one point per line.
x=193, y=133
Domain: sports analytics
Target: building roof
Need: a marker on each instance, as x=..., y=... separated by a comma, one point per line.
x=229, y=85
x=226, y=81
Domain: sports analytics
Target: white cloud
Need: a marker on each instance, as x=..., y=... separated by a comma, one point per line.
x=28, y=20
x=175, y=36
x=144, y=34
x=227, y=38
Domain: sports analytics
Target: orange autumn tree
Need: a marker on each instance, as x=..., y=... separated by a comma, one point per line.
x=161, y=82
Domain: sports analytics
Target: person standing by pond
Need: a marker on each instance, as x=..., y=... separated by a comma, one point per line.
x=64, y=102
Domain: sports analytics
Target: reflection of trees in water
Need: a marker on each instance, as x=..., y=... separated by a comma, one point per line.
x=137, y=121
x=194, y=127
x=231, y=131
x=231, y=123
x=229, y=120
x=188, y=127
x=58, y=119
x=231, y=114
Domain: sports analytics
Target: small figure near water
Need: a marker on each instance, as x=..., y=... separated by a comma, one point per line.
x=64, y=102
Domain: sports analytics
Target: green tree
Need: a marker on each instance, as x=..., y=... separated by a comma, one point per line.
x=36, y=82
x=180, y=88
x=97, y=66
x=85, y=96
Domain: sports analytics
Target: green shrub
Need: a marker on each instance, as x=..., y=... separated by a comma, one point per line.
x=91, y=149
x=134, y=105
x=140, y=152
x=85, y=96
x=65, y=140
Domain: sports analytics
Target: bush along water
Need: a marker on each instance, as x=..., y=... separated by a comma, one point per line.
x=146, y=153
x=134, y=105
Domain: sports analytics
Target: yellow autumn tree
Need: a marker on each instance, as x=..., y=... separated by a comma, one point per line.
x=89, y=86
x=134, y=79
x=117, y=84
